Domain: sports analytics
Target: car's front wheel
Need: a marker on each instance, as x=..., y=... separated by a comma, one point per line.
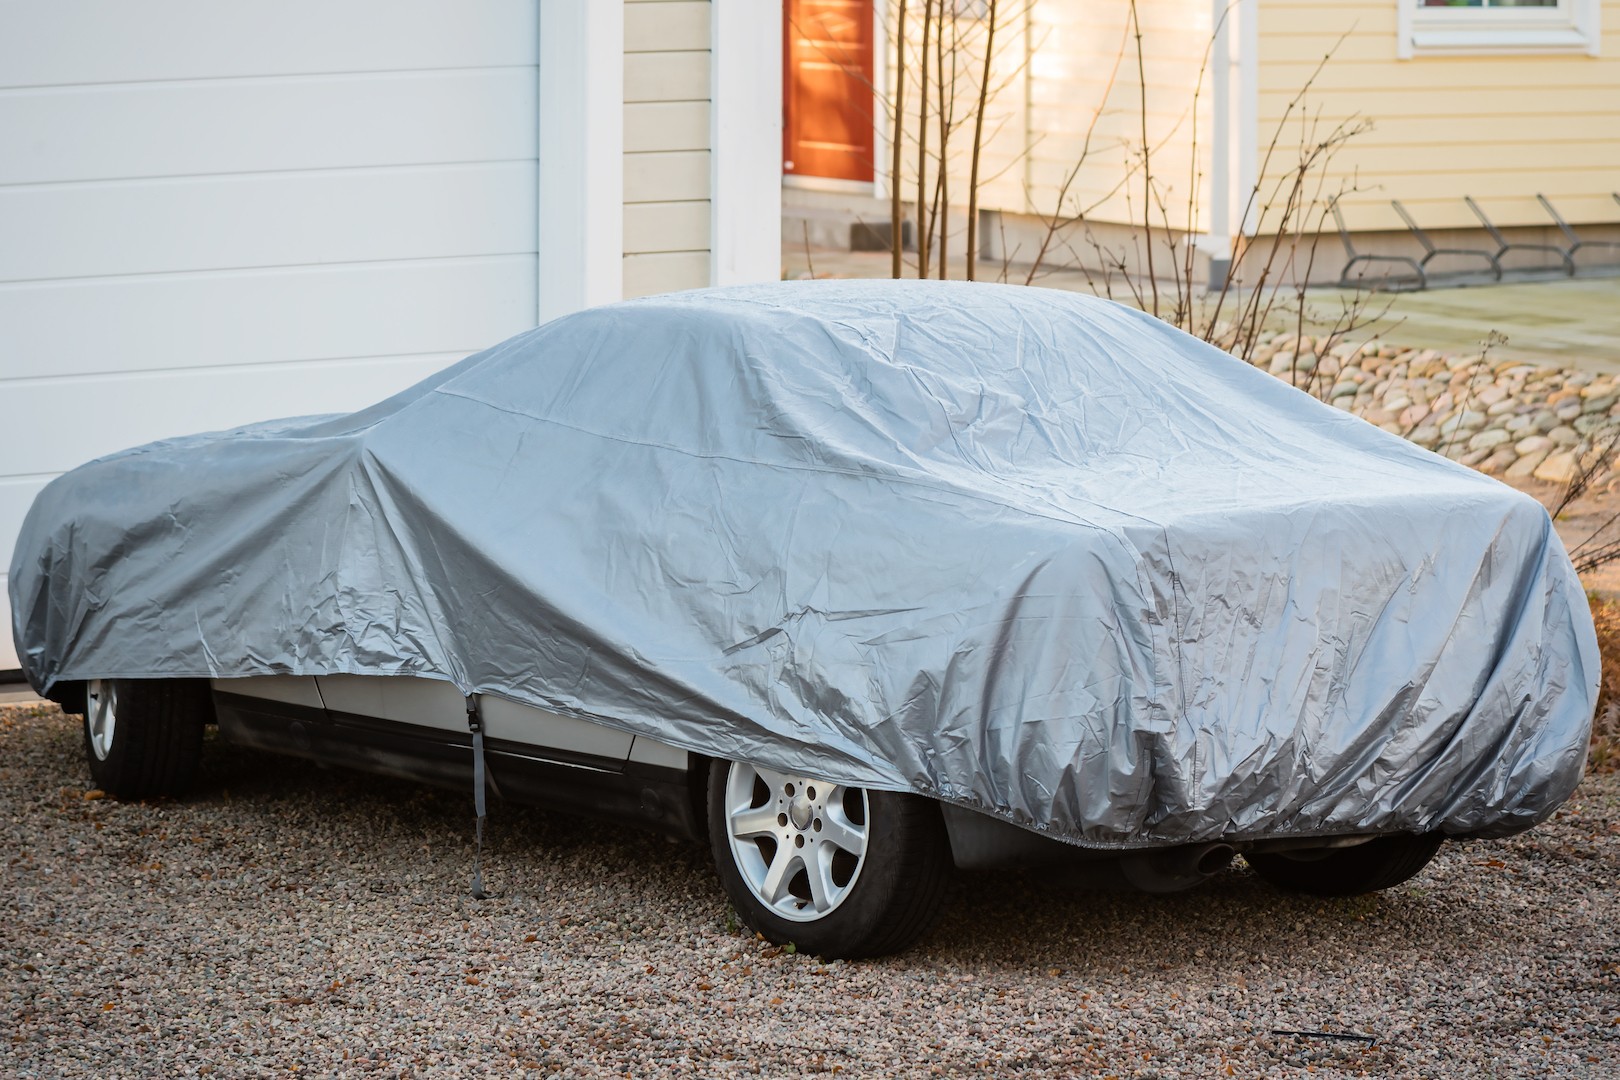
x=838, y=871
x=143, y=736
x=1381, y=863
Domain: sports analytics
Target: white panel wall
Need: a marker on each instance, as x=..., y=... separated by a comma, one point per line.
x=215, y=213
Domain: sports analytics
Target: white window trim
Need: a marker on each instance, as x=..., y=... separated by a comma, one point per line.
x=745, y=151
x=1571, y=27
x=581, y=166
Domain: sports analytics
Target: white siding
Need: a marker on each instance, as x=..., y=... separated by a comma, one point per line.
x=217, y=213
x=666, y=141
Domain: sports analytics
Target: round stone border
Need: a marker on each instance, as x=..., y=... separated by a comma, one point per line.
x=1507, y=418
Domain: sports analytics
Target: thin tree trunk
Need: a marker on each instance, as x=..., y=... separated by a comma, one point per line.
x=1147, y=171
x=923, y=224
x=944, y=136
x=978, y=144
x=896, y=134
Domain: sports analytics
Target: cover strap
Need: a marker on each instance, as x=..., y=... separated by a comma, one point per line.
x=475, y=724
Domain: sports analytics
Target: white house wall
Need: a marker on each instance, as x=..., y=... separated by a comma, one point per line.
x=217, y=213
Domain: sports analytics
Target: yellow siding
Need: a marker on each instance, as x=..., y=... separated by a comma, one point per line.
x=660, y=272
x=1076, y=47
x=666, y=142
x=1499, y=128
x=1001, y=178
x=1060, y=67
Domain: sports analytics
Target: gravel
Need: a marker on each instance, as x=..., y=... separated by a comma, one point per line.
x=288, y=918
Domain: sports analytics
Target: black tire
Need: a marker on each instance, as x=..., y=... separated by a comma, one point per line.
x=890, y=894
x=1353, y=871
x=143, y=736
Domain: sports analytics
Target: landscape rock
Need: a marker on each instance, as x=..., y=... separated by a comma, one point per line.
x=1526, y=466
x=1600, y=404
x=1503, y=417
x=1533, y=443
x=1489, y=439
x=1559, y=468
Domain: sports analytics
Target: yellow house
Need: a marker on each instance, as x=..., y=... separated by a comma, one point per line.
x=1416, y=102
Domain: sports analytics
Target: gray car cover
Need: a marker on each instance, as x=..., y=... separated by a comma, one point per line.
x=1028, y=552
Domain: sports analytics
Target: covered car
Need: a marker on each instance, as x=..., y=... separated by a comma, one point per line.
x=1026, y=554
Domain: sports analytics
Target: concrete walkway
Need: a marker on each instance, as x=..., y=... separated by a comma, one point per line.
x=17, y=694
x=1569, y=323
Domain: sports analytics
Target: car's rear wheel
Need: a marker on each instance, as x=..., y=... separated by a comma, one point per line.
x=1378, y=864
x=143, y=736
x=838, y=871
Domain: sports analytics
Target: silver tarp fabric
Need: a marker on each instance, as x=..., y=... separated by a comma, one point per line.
x=1028, y=552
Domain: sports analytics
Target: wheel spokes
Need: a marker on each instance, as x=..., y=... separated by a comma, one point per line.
x=782, y=825
x=754, y=821
x=838, y=830
x=824, y=891
x=100, y=716
x=775, y=885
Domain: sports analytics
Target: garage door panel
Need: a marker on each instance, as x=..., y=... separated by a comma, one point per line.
x=215, y=212
x=8, y=652
x=228, y=223
x=163, y=321
x=43, y=437
x=250, y=125
x=90, y=41
x=16, y=496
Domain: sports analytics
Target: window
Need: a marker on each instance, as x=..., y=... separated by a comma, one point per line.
x=1452, y=27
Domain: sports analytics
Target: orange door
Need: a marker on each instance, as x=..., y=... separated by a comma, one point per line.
x=827, y=93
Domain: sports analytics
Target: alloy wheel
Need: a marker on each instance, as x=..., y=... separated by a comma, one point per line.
x=799, y=843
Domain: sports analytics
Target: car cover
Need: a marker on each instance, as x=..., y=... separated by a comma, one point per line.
x=1032, y=553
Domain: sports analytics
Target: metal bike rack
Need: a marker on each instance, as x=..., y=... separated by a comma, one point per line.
x=1504, y=246
x=1393, y=284
x=1433, y=250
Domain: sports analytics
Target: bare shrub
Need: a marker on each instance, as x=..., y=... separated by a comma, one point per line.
x=1285, y=212
x=1604, y=755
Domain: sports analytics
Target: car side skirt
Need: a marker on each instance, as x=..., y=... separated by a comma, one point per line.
x=628, y=792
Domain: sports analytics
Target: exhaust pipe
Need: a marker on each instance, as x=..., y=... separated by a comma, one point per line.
x=1172, y=869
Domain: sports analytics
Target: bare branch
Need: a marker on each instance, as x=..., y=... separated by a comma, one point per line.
x=978, y=145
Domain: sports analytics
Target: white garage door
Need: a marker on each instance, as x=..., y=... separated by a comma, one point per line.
x=213, y=213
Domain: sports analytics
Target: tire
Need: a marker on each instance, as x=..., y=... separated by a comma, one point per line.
x=839, y=872
x=1352, y=871
x=143, y=736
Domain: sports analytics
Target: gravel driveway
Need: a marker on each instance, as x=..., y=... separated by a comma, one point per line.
x=288, y=918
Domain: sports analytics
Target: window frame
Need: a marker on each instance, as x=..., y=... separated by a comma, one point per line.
x=1573, y=26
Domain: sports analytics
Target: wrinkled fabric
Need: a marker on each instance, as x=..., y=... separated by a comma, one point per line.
x=1028, y=552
